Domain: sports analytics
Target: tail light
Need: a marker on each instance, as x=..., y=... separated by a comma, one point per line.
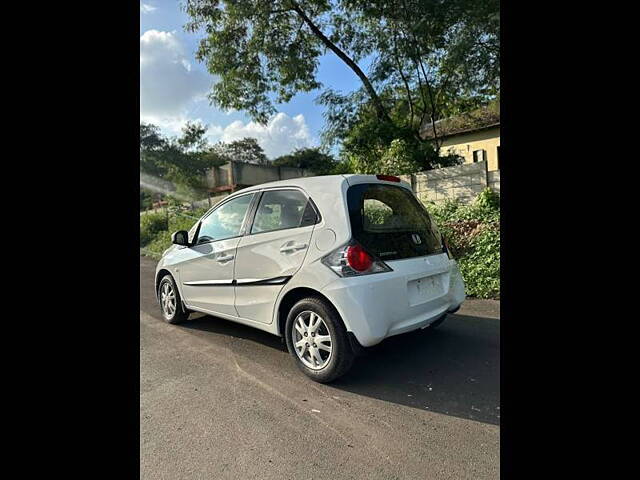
x=352, y=260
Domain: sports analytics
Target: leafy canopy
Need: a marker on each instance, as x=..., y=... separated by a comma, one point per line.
x=310, y=158
x=183, y=160
x=428, y=58
x=256, y=48
x=246, y=150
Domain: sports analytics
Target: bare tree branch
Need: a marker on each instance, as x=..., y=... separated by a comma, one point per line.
x=433, y=110
x=404, y=80
x=381, y=111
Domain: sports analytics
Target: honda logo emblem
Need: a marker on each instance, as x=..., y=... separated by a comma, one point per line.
x=416, y=238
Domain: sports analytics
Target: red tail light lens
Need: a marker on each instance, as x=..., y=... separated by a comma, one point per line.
x=388, y=178
x=352, y=260
x=358, y=259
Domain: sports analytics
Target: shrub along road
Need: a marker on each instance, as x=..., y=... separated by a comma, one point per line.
x=221, y=400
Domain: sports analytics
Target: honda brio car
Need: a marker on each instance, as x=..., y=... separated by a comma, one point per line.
x=334, y=264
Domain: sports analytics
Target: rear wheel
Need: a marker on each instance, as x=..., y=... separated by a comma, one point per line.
x=170, y=301
x=317, y=340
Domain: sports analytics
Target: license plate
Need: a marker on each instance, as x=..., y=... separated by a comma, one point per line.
x=424, y=289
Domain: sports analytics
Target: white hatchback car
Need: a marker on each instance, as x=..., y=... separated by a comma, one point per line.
x=332, y=263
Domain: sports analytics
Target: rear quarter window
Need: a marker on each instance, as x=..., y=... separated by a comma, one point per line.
x=283, y=209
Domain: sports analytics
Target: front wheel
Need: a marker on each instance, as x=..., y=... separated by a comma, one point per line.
x=317, y=340
x=170, y=301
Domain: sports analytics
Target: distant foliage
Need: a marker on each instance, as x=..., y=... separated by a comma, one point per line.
x=146, y=199
x=155, y=237
x=473, y=234
x=309, y=158
x=246, y=150
x=372, y=147
x=182, y=160
x=375, y=215
x=151, y=224
x=158, y=244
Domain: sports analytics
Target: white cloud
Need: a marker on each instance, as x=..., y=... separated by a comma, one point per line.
x=146, y=7
x=279, y=136
x=168, y=83
x=172, y=91
x=214, y=132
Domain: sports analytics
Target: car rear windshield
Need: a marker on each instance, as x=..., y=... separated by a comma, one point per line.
x=391, y=223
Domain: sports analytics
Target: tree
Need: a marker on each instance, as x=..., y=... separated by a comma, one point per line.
x=183, y=160
x=426, y=56
x=146, y=199
x=310, y=158
x=247, y=150
x=152, y=144
x=370, y=146
x=193, y=137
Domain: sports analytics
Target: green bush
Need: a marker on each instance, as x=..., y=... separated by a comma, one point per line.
x=155, y=238
x=158, y=244
x=146, y=200
x=375, y=215
x=473, y=234
x=182, y=222
x=150, y=225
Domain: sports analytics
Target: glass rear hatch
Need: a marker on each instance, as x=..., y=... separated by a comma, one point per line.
x=391, y=223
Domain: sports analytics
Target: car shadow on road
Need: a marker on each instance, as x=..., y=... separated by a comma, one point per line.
x=207, y=323
x=454, y=369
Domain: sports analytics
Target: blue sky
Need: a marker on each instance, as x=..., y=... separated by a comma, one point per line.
x=173, y=86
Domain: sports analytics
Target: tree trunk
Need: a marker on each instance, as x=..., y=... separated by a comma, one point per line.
x=382, y=113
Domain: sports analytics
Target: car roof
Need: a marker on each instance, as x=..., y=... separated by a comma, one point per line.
x=320, y=182
x=302, y=182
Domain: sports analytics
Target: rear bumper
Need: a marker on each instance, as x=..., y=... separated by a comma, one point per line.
x=455, y=309
x=359, y=350
x=374, y=307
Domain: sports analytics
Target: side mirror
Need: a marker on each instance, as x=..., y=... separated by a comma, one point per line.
x=181, y=237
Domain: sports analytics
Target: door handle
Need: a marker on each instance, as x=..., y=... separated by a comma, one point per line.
x=292, y=248
x=225, y=258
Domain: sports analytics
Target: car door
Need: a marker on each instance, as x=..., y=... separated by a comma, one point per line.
x=206, y=274
x=272, y=250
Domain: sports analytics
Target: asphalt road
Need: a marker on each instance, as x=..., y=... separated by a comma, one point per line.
x=222, y=400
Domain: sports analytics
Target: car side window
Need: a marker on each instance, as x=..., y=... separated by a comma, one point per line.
x=282, y=209
x=225, y=221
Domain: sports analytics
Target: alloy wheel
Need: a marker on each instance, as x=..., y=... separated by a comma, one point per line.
x=168, y=299
x=312, y=340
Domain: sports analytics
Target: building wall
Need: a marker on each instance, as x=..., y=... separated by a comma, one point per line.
x=239, y=173
x=462, y=182
x=464, y=145
x=493, y=180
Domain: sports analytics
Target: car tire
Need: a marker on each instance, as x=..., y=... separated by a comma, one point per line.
x=172, y=308
x=333, y=364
